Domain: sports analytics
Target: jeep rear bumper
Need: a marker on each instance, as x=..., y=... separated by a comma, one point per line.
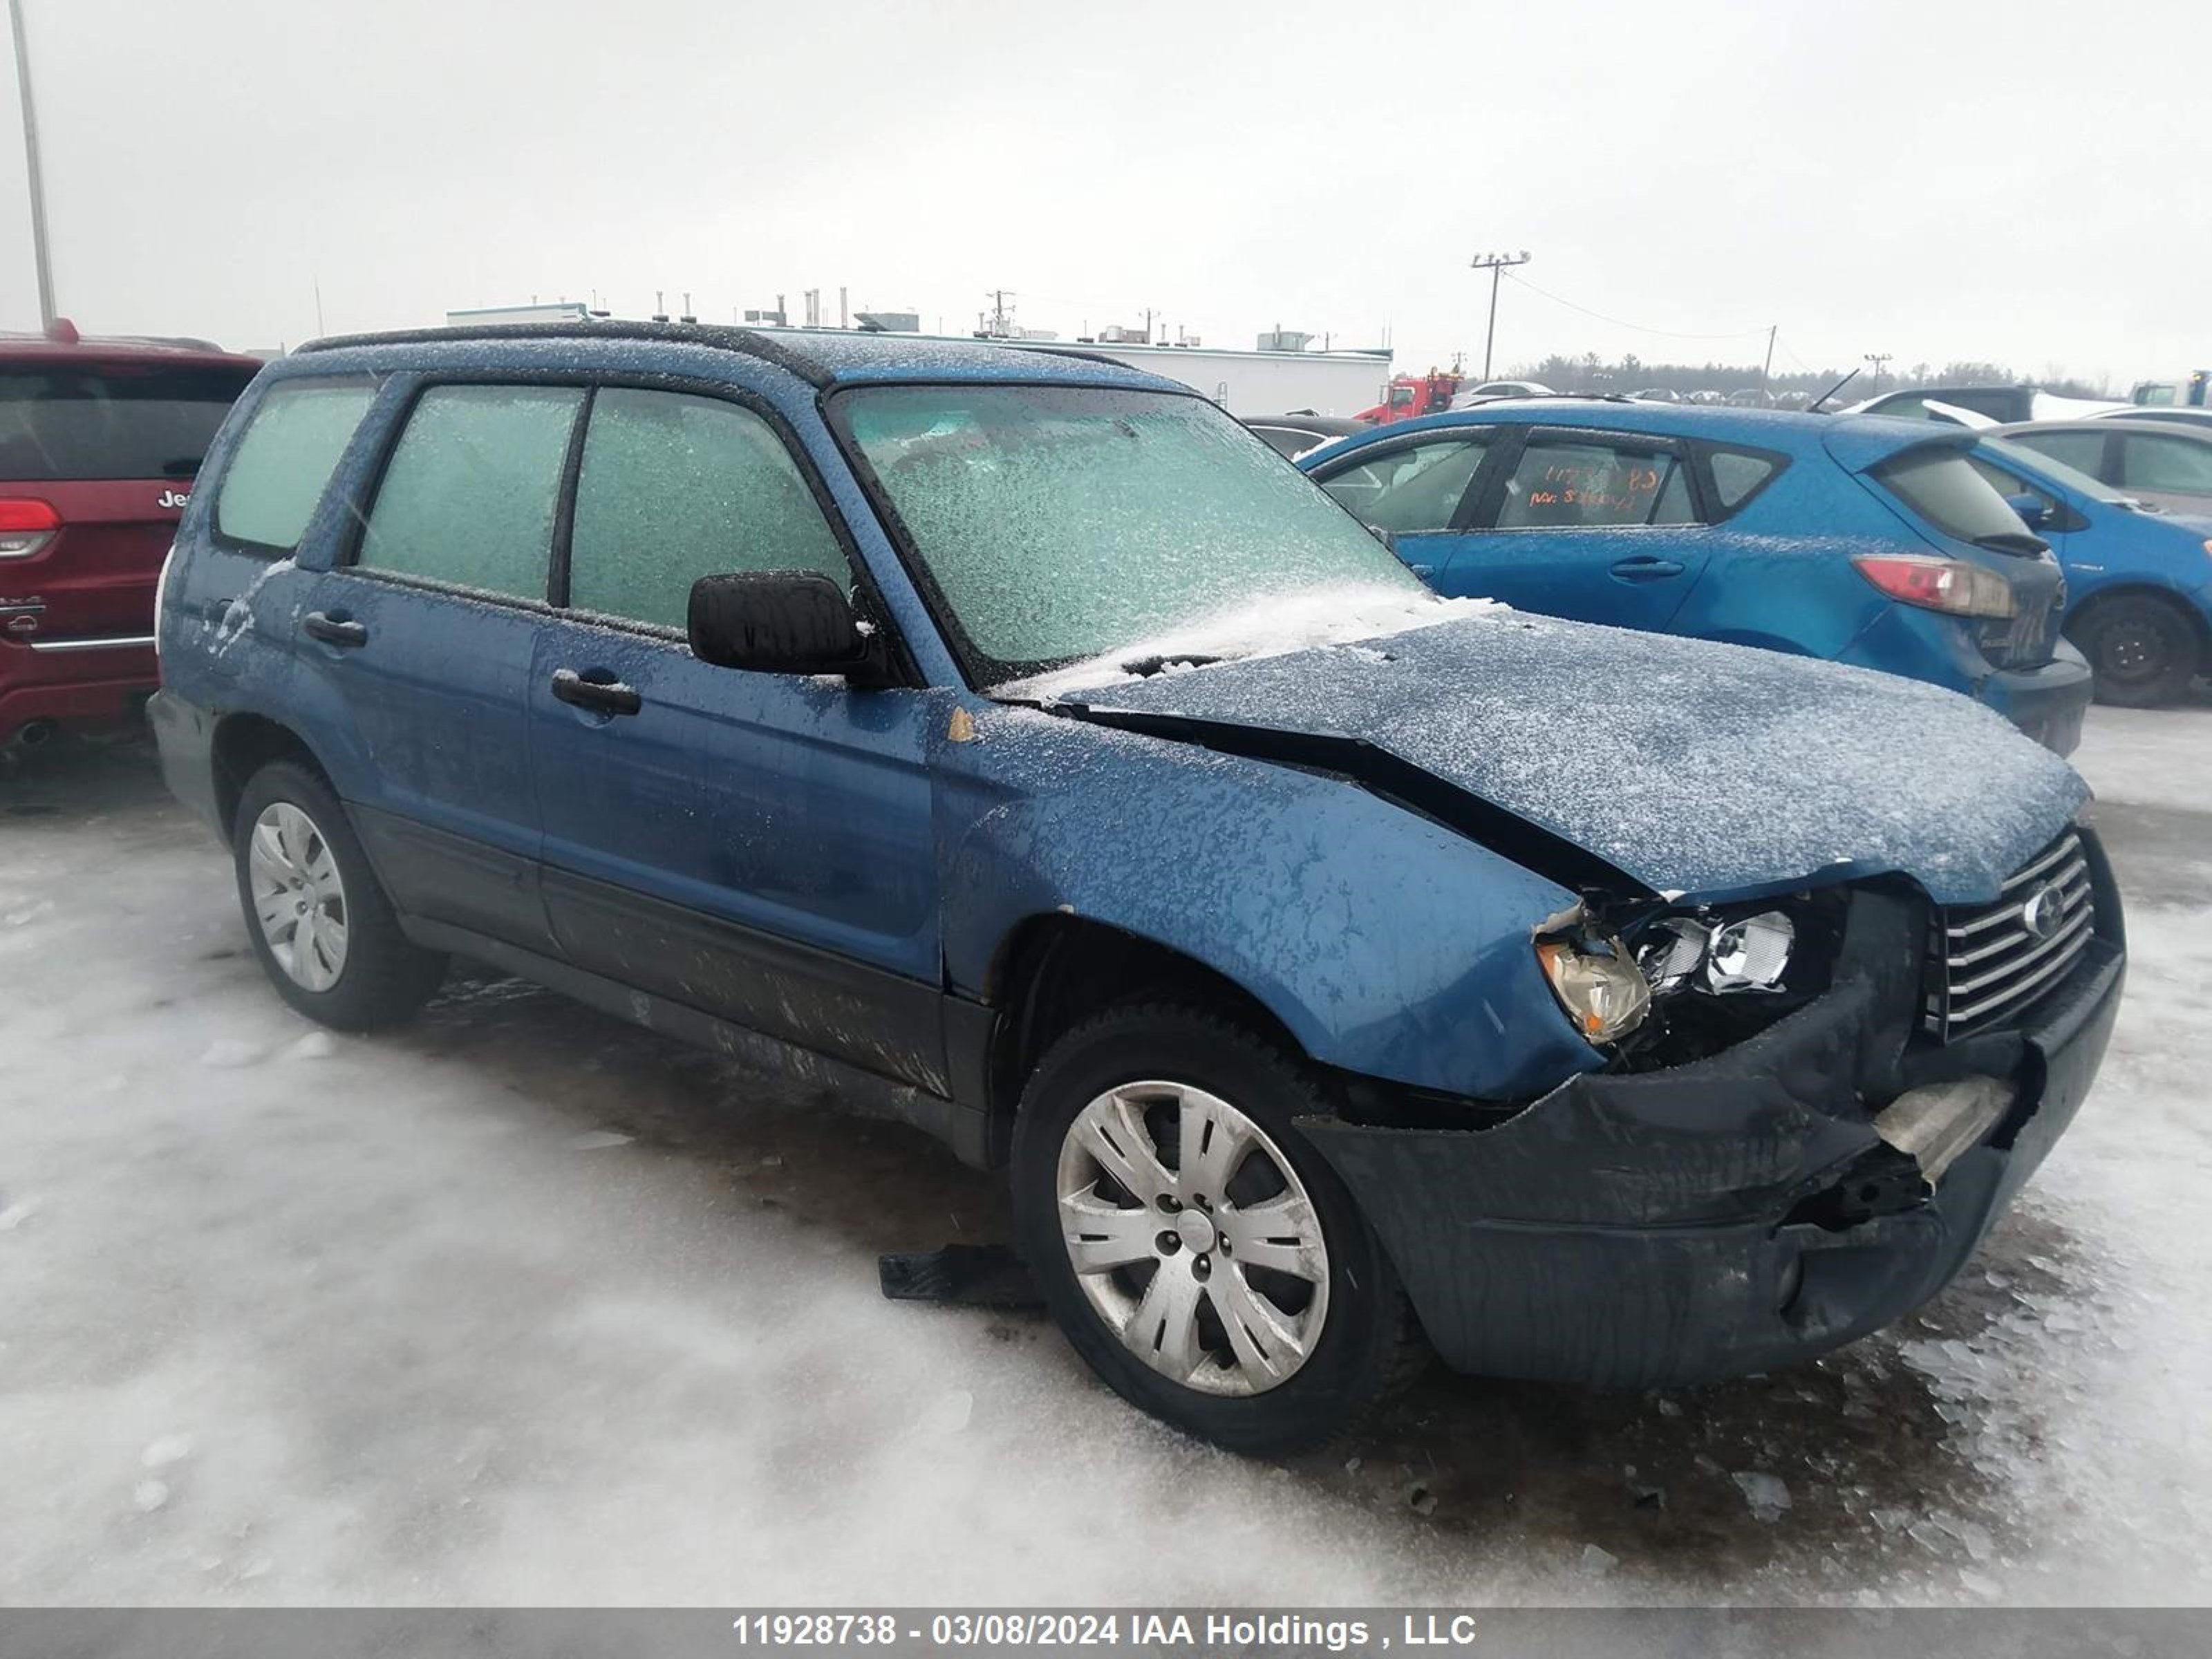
x=1676, y=1228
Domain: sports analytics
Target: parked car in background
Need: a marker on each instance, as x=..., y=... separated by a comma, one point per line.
x=1490, y=389
x=2140, y=582
x=2167, y=466
x=1292, y=435
x=99, y=439
x=1656, y=394
x=1864, y=541
x=1332, y=968
x=1992, y=405
x=2200, y=418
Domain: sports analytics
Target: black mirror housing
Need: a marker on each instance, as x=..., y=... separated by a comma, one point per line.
x=777, y=622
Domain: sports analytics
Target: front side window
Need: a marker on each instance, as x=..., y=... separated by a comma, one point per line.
x=111, y=420
x=284, y=458
x=2174, y=463
x=470, y=494
x=675, y=487
x=1580, y=484
x=2008, y=484
x=1059, y=524
x=1411, y=490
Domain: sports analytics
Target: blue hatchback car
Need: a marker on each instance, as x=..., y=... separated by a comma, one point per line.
x=1009, y=744
x=2141, y=579
x=1854, y=538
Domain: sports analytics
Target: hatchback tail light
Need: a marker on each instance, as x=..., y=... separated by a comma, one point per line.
x=1947, y=585
x=25, y=527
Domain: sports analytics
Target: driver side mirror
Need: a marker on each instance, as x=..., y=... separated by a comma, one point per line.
x=779, y=621
x=2034, y=512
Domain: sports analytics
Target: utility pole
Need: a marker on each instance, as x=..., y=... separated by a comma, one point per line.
x=1496, y=265
x=1878, y=358
x=38, y=255
x=1767, y=372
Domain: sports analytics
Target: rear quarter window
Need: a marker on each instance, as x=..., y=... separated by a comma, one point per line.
x=118, y=419
x=1739, y=474
x=283, y=460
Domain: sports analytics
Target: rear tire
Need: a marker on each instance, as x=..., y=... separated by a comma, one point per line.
x=1254, y=1228
x=2145, y=650
x=327, y=933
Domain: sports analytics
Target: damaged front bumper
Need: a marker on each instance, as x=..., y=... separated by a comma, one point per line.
x=1729, y=1216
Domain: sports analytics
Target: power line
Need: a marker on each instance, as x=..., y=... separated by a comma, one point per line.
x=1671, y=333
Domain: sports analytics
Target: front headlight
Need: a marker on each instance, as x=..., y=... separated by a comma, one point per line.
x=1750, y=954
x=1604, y=992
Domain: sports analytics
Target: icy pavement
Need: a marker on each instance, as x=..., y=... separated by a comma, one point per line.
x=524, y=1305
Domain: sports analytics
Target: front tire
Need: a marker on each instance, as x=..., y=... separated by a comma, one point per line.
x=327, y=933
x=1199, y=1253
x=2144, y=650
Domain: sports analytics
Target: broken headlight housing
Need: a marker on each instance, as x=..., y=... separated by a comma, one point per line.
x=1596, y=982
x=1666, y=986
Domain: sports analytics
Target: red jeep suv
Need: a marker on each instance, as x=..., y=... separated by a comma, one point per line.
x=99, y=439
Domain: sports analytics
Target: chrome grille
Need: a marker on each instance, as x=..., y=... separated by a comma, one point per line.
x=1990, y=962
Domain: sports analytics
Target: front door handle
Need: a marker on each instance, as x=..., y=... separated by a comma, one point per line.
x=1646, y=569
x=334, y=630
x=600, y=697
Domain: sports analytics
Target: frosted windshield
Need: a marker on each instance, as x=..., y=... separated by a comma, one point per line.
x=1062, y=523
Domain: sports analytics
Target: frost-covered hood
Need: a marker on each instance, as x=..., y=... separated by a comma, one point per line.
x=1693, y=766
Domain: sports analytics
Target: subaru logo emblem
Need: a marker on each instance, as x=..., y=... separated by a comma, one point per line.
x=2044, y=909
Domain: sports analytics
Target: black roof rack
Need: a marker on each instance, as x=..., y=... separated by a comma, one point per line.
x=718, y=336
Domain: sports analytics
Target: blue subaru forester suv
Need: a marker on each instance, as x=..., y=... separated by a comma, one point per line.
x=1012, y=744
x=1850, y=538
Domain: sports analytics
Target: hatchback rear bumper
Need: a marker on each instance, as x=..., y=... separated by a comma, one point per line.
x=74, y=682
x=2047, y=702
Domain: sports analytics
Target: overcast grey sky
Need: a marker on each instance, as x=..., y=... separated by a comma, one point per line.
x=2022, y=181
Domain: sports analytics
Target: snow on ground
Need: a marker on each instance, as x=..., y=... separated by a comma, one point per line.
x=524, y=1305
x=2140, y=756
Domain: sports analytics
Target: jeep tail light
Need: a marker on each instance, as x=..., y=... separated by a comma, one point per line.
x=1948, y=585
x=25, y=527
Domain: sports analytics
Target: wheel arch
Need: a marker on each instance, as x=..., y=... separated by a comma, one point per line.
x=2173, y=598
x=1052, y=970
x=245, y=742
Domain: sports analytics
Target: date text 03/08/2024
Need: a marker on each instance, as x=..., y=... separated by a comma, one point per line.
x=1156, y=1631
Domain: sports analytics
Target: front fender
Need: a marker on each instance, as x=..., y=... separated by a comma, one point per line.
x=1388, y=944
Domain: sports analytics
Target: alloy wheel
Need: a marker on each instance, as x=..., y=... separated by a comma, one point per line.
x=1193, y=1237
x=299, y=898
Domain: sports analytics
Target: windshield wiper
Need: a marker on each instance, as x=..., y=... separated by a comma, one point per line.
x=1145, y=667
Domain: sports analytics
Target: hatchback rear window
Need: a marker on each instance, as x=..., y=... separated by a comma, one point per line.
x=110, y=420
x=1942, y=487
x=291, y=448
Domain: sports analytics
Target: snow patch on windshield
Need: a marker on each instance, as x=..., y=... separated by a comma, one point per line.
x=1271, y=627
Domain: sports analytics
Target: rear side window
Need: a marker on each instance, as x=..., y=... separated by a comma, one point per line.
x=470, y=493
x=1944, y=489
x=111, y=421
x=2084, y=450
x=283, y=461
x=675, y=487
x=1412, y=489
x=1577, y=483
x=1738, y=475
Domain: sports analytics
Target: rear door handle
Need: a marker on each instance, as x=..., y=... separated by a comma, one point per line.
x=334, y=630
x=1644, y=569
x=601, y=696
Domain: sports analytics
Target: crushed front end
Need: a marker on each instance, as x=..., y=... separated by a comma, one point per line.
x=1754, y=1178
